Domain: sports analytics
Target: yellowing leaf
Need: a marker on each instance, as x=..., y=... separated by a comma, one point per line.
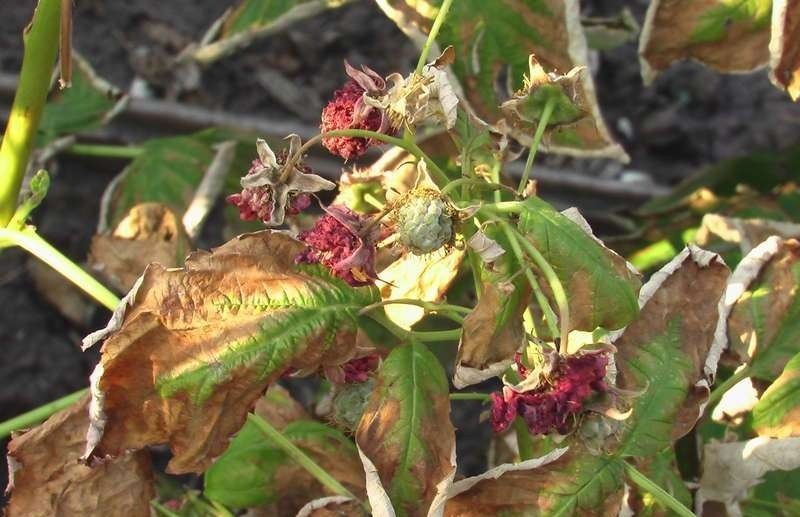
x=405, y=438
x=777, y=413
x=47, y=477
x=421, y=277
x=784, y=47
x=727, y=35
x=190, y=350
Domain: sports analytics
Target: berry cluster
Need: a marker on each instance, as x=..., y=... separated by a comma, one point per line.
x=554, y=404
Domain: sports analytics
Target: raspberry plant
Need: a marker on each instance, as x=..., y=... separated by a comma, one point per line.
x=597, y=375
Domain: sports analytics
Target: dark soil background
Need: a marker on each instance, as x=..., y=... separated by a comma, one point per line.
x=691, y=117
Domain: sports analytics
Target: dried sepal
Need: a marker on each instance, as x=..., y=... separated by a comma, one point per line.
x=275, y=186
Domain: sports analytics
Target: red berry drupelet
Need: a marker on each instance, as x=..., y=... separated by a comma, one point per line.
x=344, y=242
x=348, y=110
x=554, y=404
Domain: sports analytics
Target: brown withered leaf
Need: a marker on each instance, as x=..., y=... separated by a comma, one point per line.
x=189, y=351
x=149, y=232
x=491, y=335
x=730, y=469
x=727, y=36
x=405, y=438
x=784, y=47
x=47, y=477
x=563, y=482
x=421, y=277
x=763, y=306
x=279, y=408
x=668, y=354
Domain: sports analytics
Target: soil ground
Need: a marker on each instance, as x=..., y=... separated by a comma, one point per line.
x=689, y=118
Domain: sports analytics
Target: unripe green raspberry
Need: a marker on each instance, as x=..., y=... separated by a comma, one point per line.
x=424, y=221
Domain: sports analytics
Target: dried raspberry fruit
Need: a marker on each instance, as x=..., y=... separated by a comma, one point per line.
x=349, y=110
x=553, y=405
x=344, y=242
x=423, y=221
x=275, y=186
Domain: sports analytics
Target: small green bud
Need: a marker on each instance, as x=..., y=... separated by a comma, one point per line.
x=424, y=221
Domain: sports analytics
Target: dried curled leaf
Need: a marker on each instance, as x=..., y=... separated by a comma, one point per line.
x=784, y=47
x=405, y=438
x=493, y=42
x=190, y=350
x=730, y=469
x=729, y=36
x=748, y=233
x=666, y=354
x=149, y=232
x=46, y=477
x=421, y=277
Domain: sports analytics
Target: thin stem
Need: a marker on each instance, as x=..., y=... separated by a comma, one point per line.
x=437, y=24
x=428, y=306
x=537, y=140
x=656, y=491
x=550, y=317
x=106, y=151
x=34, y=244
x=163, y=510
x=300, y=457
x=372, y=200
x=729, y=383
x=478, y=183
x=475, y=266
x=484, y=397
x=39, y=414
x=41, y=45
x=435, y=336
x=550, y=275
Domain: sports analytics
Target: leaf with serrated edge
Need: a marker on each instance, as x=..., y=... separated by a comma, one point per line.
x=46, y=478
x=667, y=353
x=727, y=36
x=601, y=286
x=784, y=47
x=220, y=329
x=493, y=40
x=777, y=413
x=421, y=277
x=405, y=438
x=763, y=326
x=730, y=469
x=560, y=483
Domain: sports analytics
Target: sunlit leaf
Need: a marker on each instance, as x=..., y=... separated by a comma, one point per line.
x=777, y=412
x=728, y=35
x=48, y=478
x=666, y=354
x=492, y=42
x=186, y=342
x=601, y=287
x=783, y=47
x=405, y=437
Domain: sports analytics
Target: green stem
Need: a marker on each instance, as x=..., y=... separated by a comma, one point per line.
x=656, y=491
x=375, y=202
x=106, y=151
x=556, y=287
x=39, y=414
x=475, y=266
x=449, y=311
x=550, y=317
x=163, y=510
x=479, y=183
x=524, y=440
x=729, y=383
x=434, y=336
x=34, y=244
x=484, y=397
x=437, y=24
x=300, y=457
x=41, y=45
x=537, y=139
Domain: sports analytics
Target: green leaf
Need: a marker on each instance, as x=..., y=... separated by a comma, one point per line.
x=405, y=435
x=493, y=41
x=666, y=353
x=661, y=469
x=219, y=330
x=601, y=288
x=777, y=412
x=714, y=23
x=254, y=472
x=89, y=103
x=169, y=171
